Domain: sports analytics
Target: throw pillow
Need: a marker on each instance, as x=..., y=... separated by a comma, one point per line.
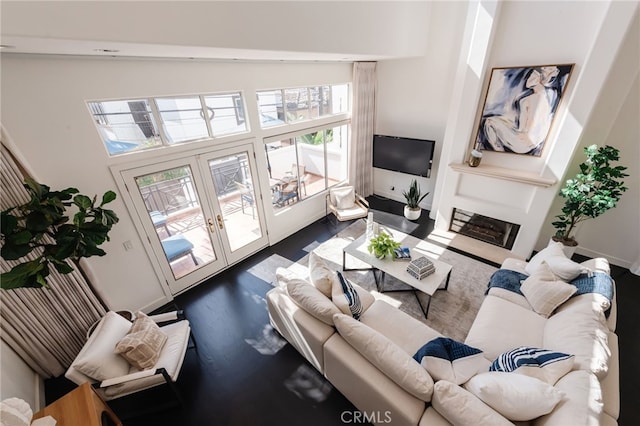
x=545, y=292
x=446, y=359
x=349, y=300
x=142, y=346
x=548, y=366
x=515, y=396
x=387, y=356
x=320, y=275
x=98, y=359
x=560, y=264
x=312, y=300
x=461, y=407
x=345, y=197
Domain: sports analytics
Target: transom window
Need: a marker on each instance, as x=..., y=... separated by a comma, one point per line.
x=302, y=103
x=134, y=125
x=125, y=125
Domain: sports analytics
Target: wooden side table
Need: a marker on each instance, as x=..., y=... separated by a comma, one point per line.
x=80, y=407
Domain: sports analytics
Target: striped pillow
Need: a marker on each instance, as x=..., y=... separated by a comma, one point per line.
x=548, y=366
x=349, y=299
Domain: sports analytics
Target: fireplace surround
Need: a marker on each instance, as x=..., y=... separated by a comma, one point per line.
x=487, y=229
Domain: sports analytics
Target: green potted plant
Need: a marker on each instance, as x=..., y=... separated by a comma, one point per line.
x=382, y=245
x=413, y=196
x=43, y=226
x=594, y=190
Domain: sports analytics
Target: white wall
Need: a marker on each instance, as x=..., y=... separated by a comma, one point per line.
x=18, y=380
x=44, y=112
x=585, y=33
x=413, y=96
x=614, y=121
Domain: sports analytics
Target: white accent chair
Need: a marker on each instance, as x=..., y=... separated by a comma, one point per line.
x=345, y=204
x=112, y=376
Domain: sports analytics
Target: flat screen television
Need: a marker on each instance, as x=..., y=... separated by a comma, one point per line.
x=405, y=155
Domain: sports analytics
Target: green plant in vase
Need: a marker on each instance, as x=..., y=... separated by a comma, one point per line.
x=413, y=196
x=382, y=245
x=596, y=189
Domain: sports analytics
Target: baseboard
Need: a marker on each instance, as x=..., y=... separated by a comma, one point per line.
x=156, y=304
x=612, y=259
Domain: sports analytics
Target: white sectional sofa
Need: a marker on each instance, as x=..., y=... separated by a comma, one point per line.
x=370, y=361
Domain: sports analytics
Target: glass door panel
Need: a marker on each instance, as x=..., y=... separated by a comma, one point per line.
x=231, y=174
x=175, y=219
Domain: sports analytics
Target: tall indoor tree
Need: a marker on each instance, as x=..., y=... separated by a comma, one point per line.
x=594, y=190
x=44, y=226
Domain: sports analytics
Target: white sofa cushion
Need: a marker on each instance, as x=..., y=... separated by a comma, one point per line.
x=501, y=326
x=312, y=300
x=545, y=365
x=98, y=359
x=582, y=404
x=515, y=396
x=580, y=330
x=544, y=291
x=388, y=357
x=320, y=274
x=405, y=331
x=461, y=407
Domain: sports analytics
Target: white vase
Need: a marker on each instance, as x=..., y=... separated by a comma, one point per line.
x=412, y=214
x=568, y=250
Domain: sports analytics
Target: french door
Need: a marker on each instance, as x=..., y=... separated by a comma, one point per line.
x=200, y=213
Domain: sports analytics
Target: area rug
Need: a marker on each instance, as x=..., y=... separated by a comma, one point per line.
x=451, y=312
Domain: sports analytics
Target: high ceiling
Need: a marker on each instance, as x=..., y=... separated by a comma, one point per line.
x=241, y=30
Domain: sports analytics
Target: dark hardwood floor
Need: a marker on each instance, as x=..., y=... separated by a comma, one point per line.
x=242, y=373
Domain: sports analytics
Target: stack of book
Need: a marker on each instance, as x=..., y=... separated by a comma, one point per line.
x=420, y=268
x=402, y=253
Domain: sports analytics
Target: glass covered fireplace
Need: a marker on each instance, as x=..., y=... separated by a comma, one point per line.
x=484, y=228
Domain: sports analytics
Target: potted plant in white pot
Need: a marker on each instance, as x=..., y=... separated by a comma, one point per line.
x=594, y=190
x=382, y=245
x=413, y=196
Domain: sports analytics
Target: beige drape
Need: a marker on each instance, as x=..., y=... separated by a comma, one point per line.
x=45, y=327
x=362, y=127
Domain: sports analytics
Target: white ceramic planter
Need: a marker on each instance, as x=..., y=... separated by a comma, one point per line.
x=568, y=250
x=412, y=214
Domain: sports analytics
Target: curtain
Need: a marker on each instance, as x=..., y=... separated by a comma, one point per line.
x=362, y=125
x=45, y=327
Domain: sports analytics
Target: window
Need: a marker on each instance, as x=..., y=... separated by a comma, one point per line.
x=306, y=164
x=228, y=113
x=130, y=125
x=299, y=104
x=125, y=126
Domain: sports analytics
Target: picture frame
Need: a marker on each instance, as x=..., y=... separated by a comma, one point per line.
x=519, y=108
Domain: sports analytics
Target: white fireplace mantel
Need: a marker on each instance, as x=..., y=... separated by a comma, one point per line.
x=521, y=176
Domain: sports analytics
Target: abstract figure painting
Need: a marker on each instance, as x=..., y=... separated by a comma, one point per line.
x=519, y=108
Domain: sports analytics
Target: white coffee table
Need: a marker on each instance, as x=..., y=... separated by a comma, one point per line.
x=398, y=268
